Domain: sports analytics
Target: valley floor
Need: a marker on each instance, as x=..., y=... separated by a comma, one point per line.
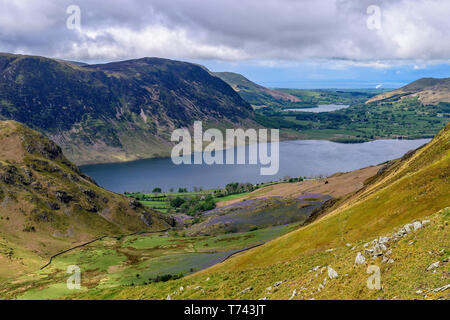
x=414, y=265
x=134, y=260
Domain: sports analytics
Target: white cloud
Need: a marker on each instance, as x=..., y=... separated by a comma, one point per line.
x=419, y=67
x=416, y=29
x=120, y=42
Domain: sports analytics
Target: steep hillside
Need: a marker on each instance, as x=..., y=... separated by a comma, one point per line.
x=48, y=205
x=429, y=91
x=255, y=94
x=398, y=222
x=117, y=111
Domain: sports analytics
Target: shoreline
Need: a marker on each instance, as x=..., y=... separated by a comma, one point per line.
x=337, y=140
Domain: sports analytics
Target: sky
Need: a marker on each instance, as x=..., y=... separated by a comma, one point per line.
x=276, y=43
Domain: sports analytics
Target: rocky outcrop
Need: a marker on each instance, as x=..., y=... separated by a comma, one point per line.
x=332, y=273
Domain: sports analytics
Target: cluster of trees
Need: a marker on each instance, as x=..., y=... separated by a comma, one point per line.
x=145, y=196
x=155, y=190
x=198, y=204
x=180, y=190
x=161, y=278
x=234, y=188
x=298, y=179
x=193, y=206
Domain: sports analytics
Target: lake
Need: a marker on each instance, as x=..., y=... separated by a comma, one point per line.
x=321, y=108
x=310, y=158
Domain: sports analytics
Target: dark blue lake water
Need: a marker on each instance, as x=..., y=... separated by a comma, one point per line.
x=309, y=158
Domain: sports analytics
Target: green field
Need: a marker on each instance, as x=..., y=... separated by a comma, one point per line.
x=133, y=260
x=232, y=196
x=407, y=119
x=312, y=98
x=161, y=201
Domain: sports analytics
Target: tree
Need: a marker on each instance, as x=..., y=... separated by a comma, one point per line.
x=177, y=202
x=157, y=190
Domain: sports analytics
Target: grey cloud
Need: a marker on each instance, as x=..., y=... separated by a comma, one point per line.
x=229, y=30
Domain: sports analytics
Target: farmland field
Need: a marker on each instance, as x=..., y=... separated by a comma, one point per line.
x=135, y=260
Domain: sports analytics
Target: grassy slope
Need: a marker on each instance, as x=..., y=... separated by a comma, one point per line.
x=132, y=260
x=402, y=279
x=428, y=90
x=35, y=222
x=338, y=185
x=257, y=95
x=413, y=187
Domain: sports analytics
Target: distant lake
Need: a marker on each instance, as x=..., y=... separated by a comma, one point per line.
x=309, y=158
x=321, y=108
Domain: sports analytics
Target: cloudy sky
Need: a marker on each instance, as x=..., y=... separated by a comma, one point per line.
x=278, y=43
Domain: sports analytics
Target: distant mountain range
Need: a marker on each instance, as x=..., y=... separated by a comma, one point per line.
x=257, y=95
x=429, y=91
x=116, y=111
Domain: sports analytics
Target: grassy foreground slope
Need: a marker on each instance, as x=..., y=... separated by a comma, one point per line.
x=413, y=187
x=47, y=204
x=131, y=261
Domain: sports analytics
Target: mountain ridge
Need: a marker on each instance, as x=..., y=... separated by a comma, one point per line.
x=429, y=91
x=118, y=111
x=256, y=94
